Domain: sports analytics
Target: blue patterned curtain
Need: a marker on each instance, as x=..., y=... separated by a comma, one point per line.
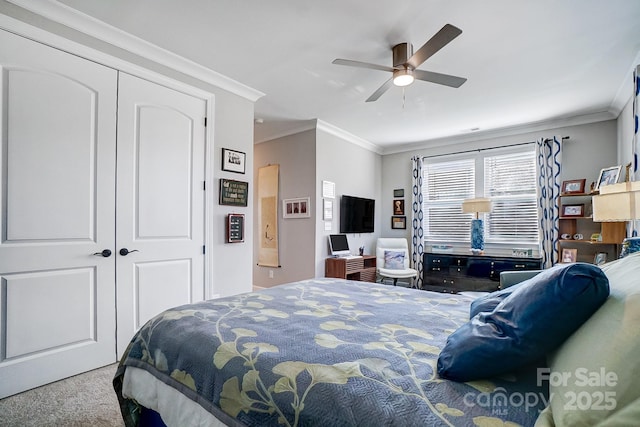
x=417, y=233
x=635, y=144
x=549, y=158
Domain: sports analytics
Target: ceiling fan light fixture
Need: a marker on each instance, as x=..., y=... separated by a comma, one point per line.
x=403, y=77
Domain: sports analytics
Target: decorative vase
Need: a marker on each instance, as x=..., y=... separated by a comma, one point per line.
x=477, y=236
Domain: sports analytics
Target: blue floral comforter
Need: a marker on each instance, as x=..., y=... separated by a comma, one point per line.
x=324, y=352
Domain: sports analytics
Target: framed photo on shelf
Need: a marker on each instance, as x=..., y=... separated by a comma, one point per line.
x=398, y=207
x=600, y=258
x=296, y=208
x=233, y=161
x=569, y=255
x=608, y=176
x=398, y=222
x=572, y=210
x=573, y=186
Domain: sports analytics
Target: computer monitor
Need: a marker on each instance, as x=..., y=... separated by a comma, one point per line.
x=339, y=245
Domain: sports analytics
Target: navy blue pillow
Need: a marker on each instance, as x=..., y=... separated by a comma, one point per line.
x=538, y=316
x=490, y=301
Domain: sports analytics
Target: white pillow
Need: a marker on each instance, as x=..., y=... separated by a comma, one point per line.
x=394, y=260
x=600, y=362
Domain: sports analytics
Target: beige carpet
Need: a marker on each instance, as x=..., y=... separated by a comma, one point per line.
x=84, y=400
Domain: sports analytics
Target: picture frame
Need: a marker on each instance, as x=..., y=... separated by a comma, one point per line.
x=398, y=207
x=327, y=209
x=398, y=222
x=298, y=207
x=233, y=161
x=608, y=176
x=398, y=192
x=233, y=193
x=235, y=228
x=572, y=211
x=600, y=258
x=569, y=255
x=573, y=186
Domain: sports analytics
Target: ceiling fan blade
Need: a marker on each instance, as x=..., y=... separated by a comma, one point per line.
x=359, y=64
x=382, y=89
x=441, y=79
x=434, y=44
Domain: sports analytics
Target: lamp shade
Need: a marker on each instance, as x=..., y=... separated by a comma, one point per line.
x=617, y=202
x=479, y=204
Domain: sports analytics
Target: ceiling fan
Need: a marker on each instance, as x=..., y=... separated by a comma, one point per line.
x=405, y=63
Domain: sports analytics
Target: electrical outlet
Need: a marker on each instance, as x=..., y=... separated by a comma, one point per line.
x=270, y=274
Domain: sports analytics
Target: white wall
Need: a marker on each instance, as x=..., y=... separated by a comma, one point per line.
x=295, y=154
x=590, y=148
x=356, y=172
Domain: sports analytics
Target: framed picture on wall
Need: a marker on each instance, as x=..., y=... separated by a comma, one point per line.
x=398, y=222
x=233, y=161
x=296, y=208
x=398, y=207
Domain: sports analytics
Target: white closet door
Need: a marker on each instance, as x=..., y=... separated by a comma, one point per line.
x=160, y=202
x=57, y=175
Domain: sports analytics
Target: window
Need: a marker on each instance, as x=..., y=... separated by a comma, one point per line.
x=446, y=185
x=510, y=183
x=508, y=179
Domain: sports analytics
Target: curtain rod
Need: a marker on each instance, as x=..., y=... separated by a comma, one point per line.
x=490, y=148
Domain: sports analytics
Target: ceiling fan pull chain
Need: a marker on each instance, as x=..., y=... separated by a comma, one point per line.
x=403, y=98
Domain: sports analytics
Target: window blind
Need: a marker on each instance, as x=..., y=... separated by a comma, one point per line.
x=510, y=183
x=447, y=184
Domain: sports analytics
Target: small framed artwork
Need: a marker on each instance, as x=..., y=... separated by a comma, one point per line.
x=398, y=222
x=573, y=186
x=399, y=192
x=296, y=208
x=233, y=161
x=398, y=207
x=572, y=210
x=235, y=228
x=569, y=255
x=600, y=258
x=608, y=176
x=327, y=209
x=234, y=193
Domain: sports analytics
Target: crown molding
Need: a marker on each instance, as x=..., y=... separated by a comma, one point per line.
x=85, y=24
x=349, y=137
x=625, y=91
x=502, y=132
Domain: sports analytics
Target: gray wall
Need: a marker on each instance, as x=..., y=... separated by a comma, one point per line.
x=295, y=154
x=356, y=172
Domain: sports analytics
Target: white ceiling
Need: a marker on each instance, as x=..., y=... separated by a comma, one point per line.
x=526, y=61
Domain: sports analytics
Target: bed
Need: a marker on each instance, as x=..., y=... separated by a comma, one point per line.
x=327, y=352
x=333, y=352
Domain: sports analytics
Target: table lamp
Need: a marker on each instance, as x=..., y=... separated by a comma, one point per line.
x=619, y=202
x=477, y=206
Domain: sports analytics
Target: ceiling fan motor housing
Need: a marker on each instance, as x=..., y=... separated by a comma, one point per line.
x=401, y=54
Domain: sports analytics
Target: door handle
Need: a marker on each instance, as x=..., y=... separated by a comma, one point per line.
x=105, y=253
x=125, y=251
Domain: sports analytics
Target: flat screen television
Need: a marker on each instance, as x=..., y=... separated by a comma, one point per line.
x=356, y=214
x=338, y=245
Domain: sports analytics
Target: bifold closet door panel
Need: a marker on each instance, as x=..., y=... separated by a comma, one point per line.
x=57, y=204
